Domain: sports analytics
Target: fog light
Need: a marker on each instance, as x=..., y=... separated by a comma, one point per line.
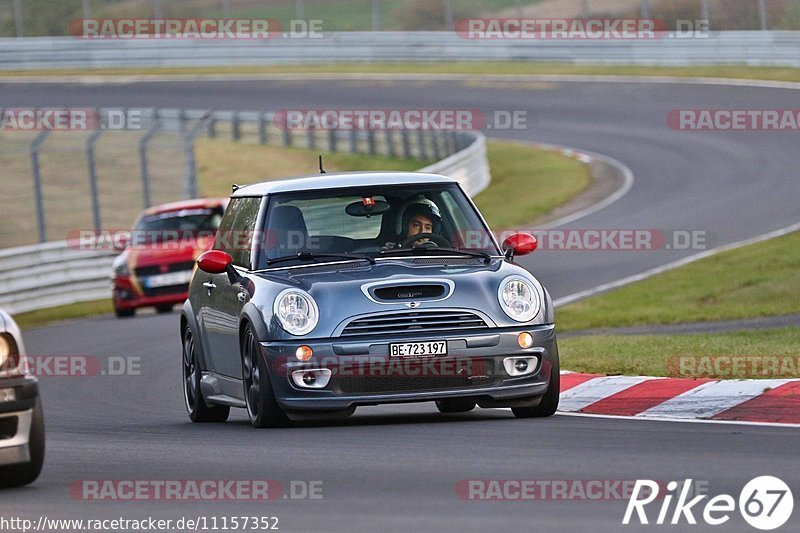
x=304, y=353
x=525, y=340
x=7, y=395
x=520, y=366
x=316, y=378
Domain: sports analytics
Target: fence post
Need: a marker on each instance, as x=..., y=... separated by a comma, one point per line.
x=332, y=140
x=311, y=139
x=287, y=136
x=353, y=141
x=37, y=183
x=390, y=144
x=90, y=142
x=262, y=129
x=435, y=137
x=406, y=144
x=762, y=14
x=188, y=149
x=421, y=145
x=371, y=141
x=236, y=126
x=143, y=142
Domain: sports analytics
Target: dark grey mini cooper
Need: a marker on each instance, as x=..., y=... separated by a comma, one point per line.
x=329, y=292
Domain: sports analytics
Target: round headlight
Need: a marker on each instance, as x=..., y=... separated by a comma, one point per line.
x=519, y=299
x=297, y=311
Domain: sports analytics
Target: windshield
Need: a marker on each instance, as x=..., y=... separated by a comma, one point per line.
x=374, y=222
x=187, y=222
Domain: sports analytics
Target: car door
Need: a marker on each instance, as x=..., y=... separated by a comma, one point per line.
x=226, y=299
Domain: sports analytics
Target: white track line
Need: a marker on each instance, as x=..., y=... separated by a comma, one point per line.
x=711, y=398
x=683, y=420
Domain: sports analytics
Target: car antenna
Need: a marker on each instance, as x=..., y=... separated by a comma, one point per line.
x=235, y=187
x=321, y=170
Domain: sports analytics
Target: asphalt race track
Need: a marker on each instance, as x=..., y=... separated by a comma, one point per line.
x=396, y=468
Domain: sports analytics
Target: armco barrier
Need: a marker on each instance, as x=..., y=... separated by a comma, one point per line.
x=766, y=48
x=52, y=274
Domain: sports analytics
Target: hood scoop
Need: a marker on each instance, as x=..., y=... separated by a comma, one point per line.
x=412, y=291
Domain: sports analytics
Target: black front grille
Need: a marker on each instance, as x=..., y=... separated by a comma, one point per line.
x=418, y=375
x=165, y=291
x=414, y=322
x=8, y=427
x=155, y=270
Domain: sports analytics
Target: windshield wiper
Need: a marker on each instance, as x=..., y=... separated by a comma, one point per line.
x=421, y=250
x=311, y=256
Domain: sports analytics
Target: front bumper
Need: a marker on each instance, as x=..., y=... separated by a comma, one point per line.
x=363, y=373
x=127, y=296
x=16, y=419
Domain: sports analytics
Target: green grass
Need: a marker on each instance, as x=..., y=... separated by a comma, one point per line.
x=435, y=67
x=42, y=317
x=657, y=355
x=527, y=184
x=761, y=279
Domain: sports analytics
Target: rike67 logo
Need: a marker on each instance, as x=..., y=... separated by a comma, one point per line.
x=765, y=503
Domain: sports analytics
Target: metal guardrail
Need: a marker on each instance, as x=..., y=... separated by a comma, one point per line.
x=773, y=48
x=53, y=273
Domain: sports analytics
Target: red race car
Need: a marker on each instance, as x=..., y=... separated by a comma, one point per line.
x=155, y=268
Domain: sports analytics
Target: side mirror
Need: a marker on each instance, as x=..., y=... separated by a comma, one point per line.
x=519, y=244
x=214, y=261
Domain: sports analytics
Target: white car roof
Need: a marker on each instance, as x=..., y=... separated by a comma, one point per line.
x=338, y=181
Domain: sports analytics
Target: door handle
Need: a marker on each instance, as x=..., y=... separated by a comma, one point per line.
x=208, y=285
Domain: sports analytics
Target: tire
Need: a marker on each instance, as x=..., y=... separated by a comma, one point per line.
x=163, y=309
x=25, y=473
x=455, y=405
x=262, y=407
x=196, y=405
x=124, y=313
x=549, y=403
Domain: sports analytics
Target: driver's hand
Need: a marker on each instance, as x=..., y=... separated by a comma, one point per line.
x=425, y=243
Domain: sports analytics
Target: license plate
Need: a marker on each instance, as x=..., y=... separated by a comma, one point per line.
x=165, y=280
x=418, y=349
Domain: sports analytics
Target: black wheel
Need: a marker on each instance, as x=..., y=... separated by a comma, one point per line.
x=124, y=313
x=196, y=406
x=262, y=407
x=455, y=405
x=165, y=308
x=549, y=403
x=24, y=473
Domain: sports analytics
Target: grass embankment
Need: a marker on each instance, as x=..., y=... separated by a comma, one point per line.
x=435, y=67
x=758, y=280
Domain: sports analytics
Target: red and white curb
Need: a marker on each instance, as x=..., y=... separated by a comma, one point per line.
x=772, y=401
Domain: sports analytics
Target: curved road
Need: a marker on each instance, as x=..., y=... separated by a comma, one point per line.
x=396, y=468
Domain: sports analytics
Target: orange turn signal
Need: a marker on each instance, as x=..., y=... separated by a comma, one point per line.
x=525, y=340
x=304, y=353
